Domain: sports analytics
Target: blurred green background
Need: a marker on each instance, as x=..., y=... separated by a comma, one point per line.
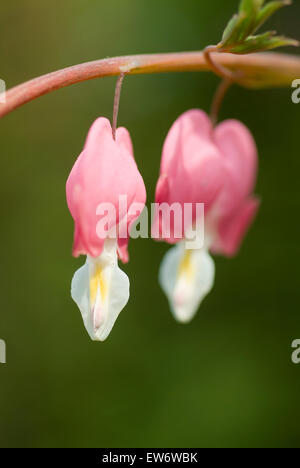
x=225, y=380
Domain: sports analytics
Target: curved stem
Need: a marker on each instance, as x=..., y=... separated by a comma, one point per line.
x=216, y=67
x=259, y=71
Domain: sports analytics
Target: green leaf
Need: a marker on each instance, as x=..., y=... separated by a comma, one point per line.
x=252, y=44
x=234, y=30
x=281, y=41
x=251, y=7
x=261, y=43
x=268, y=10
x=230, y=28
x=238, y=29
x=239, y=37
x=247, y=27
x=248, y=19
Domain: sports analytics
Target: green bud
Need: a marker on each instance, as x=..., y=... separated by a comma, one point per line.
x=239, y=37
x=261, y=43
x=268, y=10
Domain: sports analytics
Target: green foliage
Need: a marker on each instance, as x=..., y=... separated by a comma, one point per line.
x=238, y=36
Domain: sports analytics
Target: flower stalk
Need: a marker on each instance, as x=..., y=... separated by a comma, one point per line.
x=117, y=103
x=218, y=99
x=260, y=70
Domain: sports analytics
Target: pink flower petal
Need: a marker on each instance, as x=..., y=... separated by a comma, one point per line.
x=104, y=171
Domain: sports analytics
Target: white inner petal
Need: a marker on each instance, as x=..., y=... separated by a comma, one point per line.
x=186, y=277
x=101, y=291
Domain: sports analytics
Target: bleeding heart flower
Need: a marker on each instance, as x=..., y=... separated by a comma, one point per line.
x=216, y=167
x=104, y=173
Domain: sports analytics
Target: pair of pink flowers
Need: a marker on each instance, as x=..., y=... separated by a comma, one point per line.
x=200, y=164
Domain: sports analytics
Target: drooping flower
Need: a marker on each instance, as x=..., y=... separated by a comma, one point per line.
x=216, y=167
x=105, y=195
